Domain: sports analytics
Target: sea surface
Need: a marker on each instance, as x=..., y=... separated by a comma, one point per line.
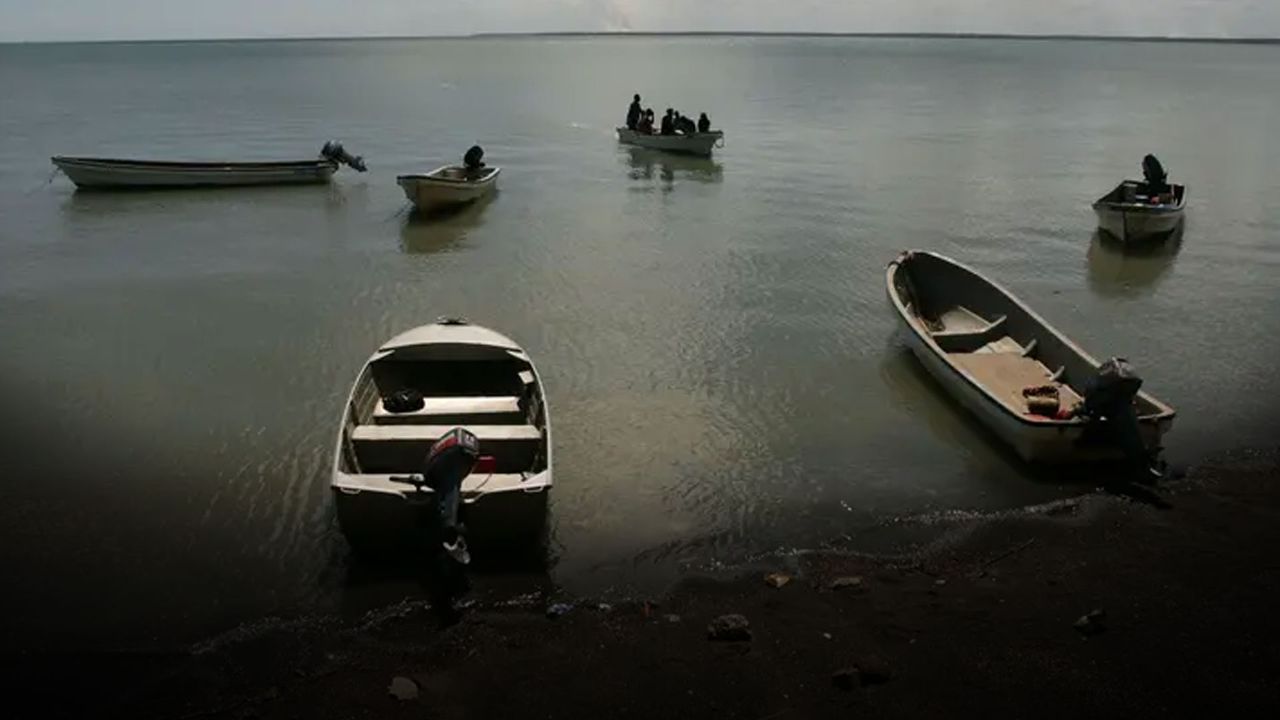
x=723, y=371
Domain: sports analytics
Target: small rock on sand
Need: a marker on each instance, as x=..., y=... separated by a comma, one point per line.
x=1091, y=623
x=403, y=688
x=729, y=628
x=866, y=671
x=777, y=580
x=558, y=609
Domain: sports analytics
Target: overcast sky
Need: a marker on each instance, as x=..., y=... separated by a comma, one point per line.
x=156, y=19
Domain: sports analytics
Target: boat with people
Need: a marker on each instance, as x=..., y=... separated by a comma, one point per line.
x=451, y=185
x=1039, y=392
x=701, y=144
x=445, y=384
x=676, y=133
x=1141, y=210
x=92, y=173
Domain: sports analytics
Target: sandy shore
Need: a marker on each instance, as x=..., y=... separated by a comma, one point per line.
x=983, y=619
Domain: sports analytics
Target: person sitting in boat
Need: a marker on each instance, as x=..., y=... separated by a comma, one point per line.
x=668, y=123
x=685, y=125
x=646, y=122
x=634, y=113
x=473, y=161
x=1156, y=179
x=704, y=123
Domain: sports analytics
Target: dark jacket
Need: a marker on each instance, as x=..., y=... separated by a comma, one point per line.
x=667, y=127
x=704, y=124
x=633, y=115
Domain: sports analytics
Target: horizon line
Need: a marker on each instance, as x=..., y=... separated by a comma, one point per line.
x=619, y=34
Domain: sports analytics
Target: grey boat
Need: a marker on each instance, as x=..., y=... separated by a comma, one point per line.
x=987, y=349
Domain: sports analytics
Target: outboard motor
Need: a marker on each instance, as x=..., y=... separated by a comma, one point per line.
x=1153, y=174
x=1109, y=401
x=450, y=460
x=334, y=151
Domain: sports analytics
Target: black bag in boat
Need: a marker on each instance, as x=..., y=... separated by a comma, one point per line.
x=404, y=401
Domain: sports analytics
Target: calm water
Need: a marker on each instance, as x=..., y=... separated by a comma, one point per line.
x=722, y=367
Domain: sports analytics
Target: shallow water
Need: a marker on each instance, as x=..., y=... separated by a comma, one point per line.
x=722, y=367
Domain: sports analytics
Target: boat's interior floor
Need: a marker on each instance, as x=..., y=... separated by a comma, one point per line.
x=1000, y=364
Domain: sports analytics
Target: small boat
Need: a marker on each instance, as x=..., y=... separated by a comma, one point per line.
x=1130, y=214
x=698, y=144
x=467, y=376
x=449, y=186
x=109, y=174
x=994, y=354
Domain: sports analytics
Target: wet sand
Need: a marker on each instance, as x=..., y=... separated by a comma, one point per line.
x=980, y=618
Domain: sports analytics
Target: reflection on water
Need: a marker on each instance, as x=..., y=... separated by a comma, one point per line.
x=930, y=405
x=1123, y=270
x=429, y=232
x=645, y=164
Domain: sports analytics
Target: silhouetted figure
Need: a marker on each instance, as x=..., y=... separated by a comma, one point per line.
x=685, y=125
x=473, y=161
x=704, y=123
x=668, y=123
x=1157, y=180
x=634, y=113
x=646, y=122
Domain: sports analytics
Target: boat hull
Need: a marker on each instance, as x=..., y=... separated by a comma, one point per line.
x=1036, y=440
x=701, y=144
x=1133, y=225
x=95, y=174
x=373, y=520
x=430, y=194
x=377, y=513
x=1126, y=214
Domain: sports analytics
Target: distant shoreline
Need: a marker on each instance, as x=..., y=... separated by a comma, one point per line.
x=690, y=34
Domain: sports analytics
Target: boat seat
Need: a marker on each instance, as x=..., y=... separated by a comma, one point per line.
x=1006, y=374
x=964, y=341
x=455, y=410
x=432, y=433
x=475, y=482
x=403, y=448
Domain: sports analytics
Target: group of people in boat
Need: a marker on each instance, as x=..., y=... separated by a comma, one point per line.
x=641, y=120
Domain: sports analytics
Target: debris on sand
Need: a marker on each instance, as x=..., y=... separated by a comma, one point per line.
x=777, y=580
x=729, y=628
x=1091, y=623
x=558, y=609
x=845, y=583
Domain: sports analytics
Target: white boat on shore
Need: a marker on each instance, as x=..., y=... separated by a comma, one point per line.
x=1129, y=214
x=987, y=348
x=116, y=174
x=470, y=377
x=448, y=186
x=698, y=144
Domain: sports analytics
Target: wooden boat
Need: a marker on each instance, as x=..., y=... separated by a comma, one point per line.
x=470, y=377
x=106, y=173
x=699, y=144
x=448, y=186
x=985, y=347
x=1129, y=214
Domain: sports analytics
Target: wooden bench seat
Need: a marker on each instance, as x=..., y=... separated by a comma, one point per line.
x=455, y=410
